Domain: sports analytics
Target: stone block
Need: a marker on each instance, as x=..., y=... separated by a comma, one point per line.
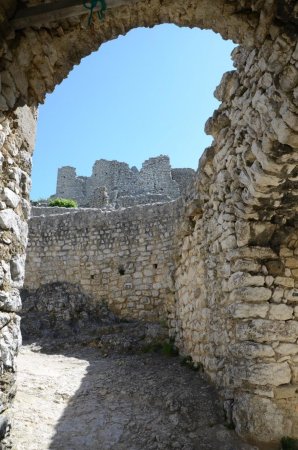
x=262, y=330
x=251, y=350
x=247, y=310
x=4, y=319
x=284, y=134
x=284, y=281
x=251, y=294
x=287, y=349
x=10, y=301
x=10, y=340
x=275, y=267
x=17, y=269
x=286, y=391
x=292, y=263
x=280, y=312
x=228, y=243
x=291, y=295
x=277, y=295
x=242, y=279
x=252, y=252
x=260, y=417
x=263, y=374
x=10, y=198
x=285, y=251
x=9, y=220
x=242, y=230
x=246, y=265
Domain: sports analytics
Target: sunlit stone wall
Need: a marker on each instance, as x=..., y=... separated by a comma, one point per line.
x=122, y=258
x=236, y=281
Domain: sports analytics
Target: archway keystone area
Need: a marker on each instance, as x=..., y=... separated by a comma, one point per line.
x=236, y=276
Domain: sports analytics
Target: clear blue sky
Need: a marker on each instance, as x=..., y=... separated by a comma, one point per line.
x=141, y=95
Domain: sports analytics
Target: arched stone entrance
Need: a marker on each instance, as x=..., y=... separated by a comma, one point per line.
x=237, y=273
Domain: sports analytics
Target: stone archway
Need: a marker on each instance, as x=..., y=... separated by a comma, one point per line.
x=236, y=277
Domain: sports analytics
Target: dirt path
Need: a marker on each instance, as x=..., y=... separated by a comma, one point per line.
x=82, y=400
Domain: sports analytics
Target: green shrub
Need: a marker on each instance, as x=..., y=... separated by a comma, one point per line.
x=169, y=348
x=63, y=203
x=288, y=443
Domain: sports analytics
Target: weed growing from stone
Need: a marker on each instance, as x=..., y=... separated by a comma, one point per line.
x=169, y=349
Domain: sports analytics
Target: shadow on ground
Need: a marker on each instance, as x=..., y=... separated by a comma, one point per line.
x=79, y=398
x=88, y=383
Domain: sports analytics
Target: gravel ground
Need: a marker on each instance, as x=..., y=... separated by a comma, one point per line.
x=81, y=399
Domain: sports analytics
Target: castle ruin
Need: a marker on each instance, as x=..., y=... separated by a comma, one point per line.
x=235, y=274
x=115, y=184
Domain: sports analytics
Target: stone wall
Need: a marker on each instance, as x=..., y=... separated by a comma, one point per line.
x=125, y=186
x=236, y=283
x=17, y=135
x=122, y=258
x=184, y=177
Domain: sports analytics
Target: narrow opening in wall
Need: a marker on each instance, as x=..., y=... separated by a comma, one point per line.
x=155, y=266
x=121, y=270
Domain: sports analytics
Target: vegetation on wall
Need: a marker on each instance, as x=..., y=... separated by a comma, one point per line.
x=63, y=203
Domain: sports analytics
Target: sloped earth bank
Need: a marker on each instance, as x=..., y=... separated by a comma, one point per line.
x=82, y=398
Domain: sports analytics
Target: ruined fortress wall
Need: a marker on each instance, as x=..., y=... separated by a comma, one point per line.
x=155, y=178
x=237, y=280
x=184, y=177
x=114, y=175
x=71, y=186
x=242, y=225
x=123, y=258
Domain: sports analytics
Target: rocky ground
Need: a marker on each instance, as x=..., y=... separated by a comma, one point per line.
x=82, y=398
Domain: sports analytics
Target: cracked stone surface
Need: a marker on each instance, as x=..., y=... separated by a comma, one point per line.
x=84, y=399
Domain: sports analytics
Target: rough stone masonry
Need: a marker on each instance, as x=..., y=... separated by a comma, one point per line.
x=122, y=258
x=235, y=277
x=115, y=184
